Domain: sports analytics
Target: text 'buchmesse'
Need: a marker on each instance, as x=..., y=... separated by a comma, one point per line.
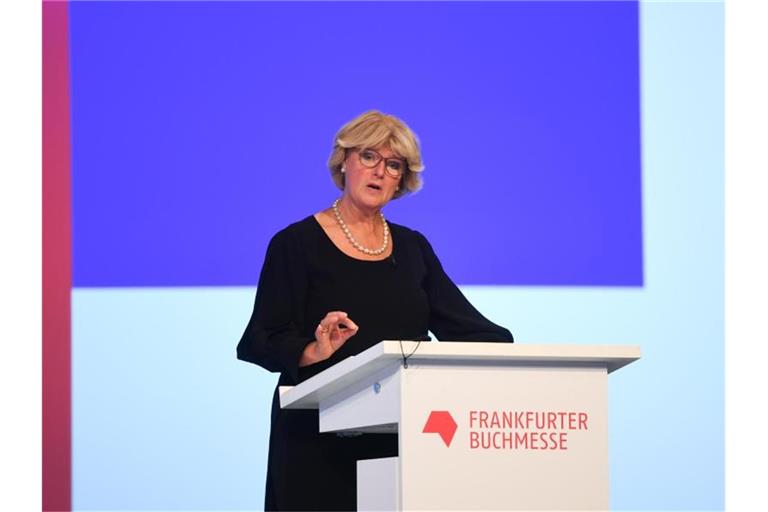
x=523, y=430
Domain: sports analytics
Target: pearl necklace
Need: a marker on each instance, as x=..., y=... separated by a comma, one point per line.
x=355, y=243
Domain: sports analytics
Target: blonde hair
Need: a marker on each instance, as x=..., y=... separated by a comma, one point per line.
x=374, y=129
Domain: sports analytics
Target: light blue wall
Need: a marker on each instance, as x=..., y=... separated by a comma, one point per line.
x=164, y=417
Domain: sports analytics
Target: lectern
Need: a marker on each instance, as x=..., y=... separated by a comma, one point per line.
x=481, y=426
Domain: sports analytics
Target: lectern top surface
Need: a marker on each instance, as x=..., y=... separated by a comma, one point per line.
x=388, y=352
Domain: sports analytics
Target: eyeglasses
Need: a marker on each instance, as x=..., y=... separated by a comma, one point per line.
x=395, y=167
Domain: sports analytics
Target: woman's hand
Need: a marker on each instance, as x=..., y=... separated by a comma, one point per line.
x=331, y=333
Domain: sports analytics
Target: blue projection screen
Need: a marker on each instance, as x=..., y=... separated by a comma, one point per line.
x=201, y=128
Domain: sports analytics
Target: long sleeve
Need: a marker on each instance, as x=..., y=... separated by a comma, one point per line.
x=452, y=317
x=273, y=338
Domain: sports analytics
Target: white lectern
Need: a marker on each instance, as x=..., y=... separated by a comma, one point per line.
x=482, y=426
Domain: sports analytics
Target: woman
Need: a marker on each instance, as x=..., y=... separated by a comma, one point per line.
x=335, y=284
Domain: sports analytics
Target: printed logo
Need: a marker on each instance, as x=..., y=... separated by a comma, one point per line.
x=441, y=422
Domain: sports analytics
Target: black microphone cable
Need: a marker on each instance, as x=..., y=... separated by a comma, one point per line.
x=418, y=341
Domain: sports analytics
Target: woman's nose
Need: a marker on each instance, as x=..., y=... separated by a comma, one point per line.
x=378, y=169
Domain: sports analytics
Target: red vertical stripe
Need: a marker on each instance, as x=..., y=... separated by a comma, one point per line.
x=57, y=260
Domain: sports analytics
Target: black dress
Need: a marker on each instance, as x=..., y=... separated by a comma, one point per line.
x=304, y=277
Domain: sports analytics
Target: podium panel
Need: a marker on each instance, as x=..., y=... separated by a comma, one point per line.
x=481, y=426
x=504, y=439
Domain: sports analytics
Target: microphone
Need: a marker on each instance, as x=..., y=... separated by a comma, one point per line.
x=393, y=261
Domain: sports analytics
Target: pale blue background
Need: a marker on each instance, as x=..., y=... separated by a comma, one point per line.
x=164, y=417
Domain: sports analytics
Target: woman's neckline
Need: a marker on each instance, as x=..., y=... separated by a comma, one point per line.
x=338, y=249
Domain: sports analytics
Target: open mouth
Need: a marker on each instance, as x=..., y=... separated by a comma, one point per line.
x=374, y=186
